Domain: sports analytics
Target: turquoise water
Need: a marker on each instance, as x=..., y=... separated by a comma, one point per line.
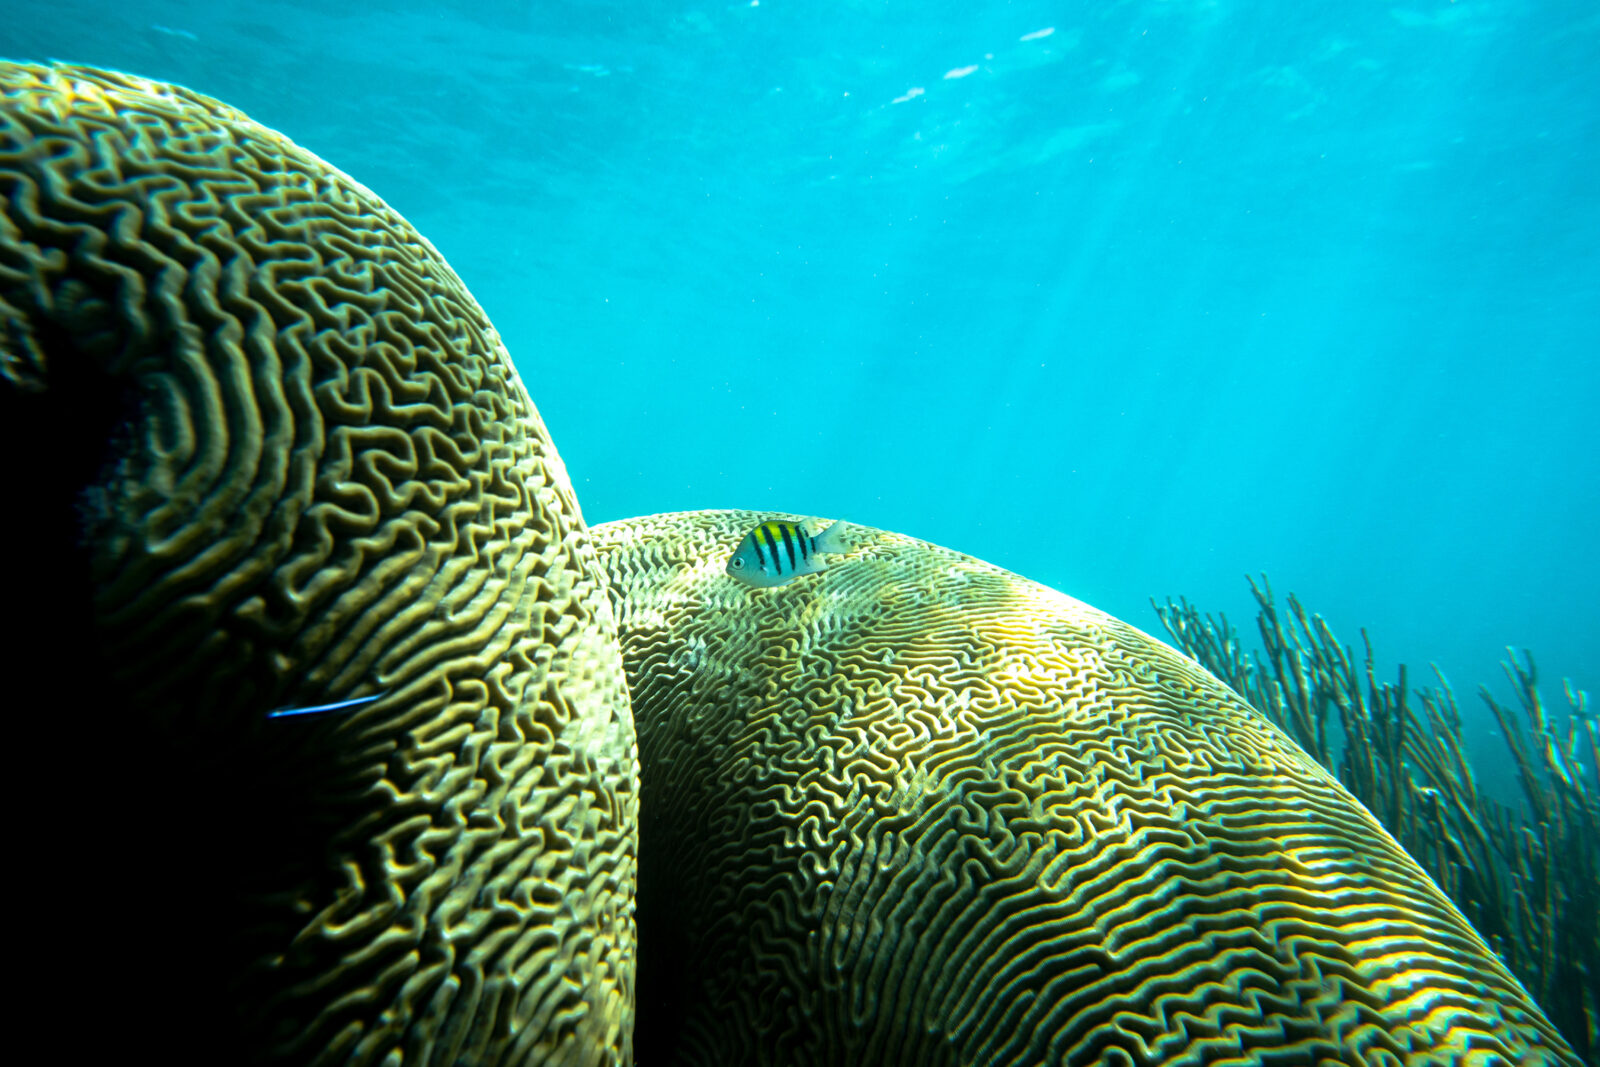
x=1131, y=298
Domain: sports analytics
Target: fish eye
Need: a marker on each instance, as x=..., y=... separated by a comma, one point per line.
x=738, y=564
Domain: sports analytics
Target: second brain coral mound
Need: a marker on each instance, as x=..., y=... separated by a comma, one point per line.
x=274, y=455
x=915, y=809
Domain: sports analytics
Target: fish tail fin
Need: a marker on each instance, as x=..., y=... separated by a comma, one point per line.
x=832, y=539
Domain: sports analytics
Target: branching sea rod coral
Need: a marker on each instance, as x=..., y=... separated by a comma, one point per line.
x=1528, y=877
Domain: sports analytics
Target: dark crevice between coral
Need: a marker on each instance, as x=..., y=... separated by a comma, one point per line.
x=668, y=967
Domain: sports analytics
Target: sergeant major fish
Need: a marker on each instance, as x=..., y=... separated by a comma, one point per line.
x=776, y=551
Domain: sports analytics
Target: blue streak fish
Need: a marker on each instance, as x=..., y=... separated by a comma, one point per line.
x=316, y=709
x=777, y=551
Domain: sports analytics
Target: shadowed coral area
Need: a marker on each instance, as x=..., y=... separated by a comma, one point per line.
x=274, y=454
x=916, y=809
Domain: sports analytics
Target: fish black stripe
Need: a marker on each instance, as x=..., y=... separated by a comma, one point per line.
x=806, y=541
x=788, y=542
x=772, y=546
x=755, y=542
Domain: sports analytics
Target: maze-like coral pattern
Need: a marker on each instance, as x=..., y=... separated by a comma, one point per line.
x=324, y=479
x=916, y=809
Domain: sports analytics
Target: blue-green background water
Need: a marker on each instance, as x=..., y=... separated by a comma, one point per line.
x=1132, y=298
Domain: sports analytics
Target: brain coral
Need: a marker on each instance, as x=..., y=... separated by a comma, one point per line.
x=267, y=451
x=274, y=454
x=919, y=810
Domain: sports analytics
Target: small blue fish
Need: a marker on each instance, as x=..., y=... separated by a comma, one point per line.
x=314, y=709
x=776, y=551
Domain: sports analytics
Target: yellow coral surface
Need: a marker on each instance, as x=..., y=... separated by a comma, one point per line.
x=916, y=809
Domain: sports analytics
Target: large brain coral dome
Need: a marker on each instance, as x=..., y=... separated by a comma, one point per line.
x=274, y=454
x=917, y=810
